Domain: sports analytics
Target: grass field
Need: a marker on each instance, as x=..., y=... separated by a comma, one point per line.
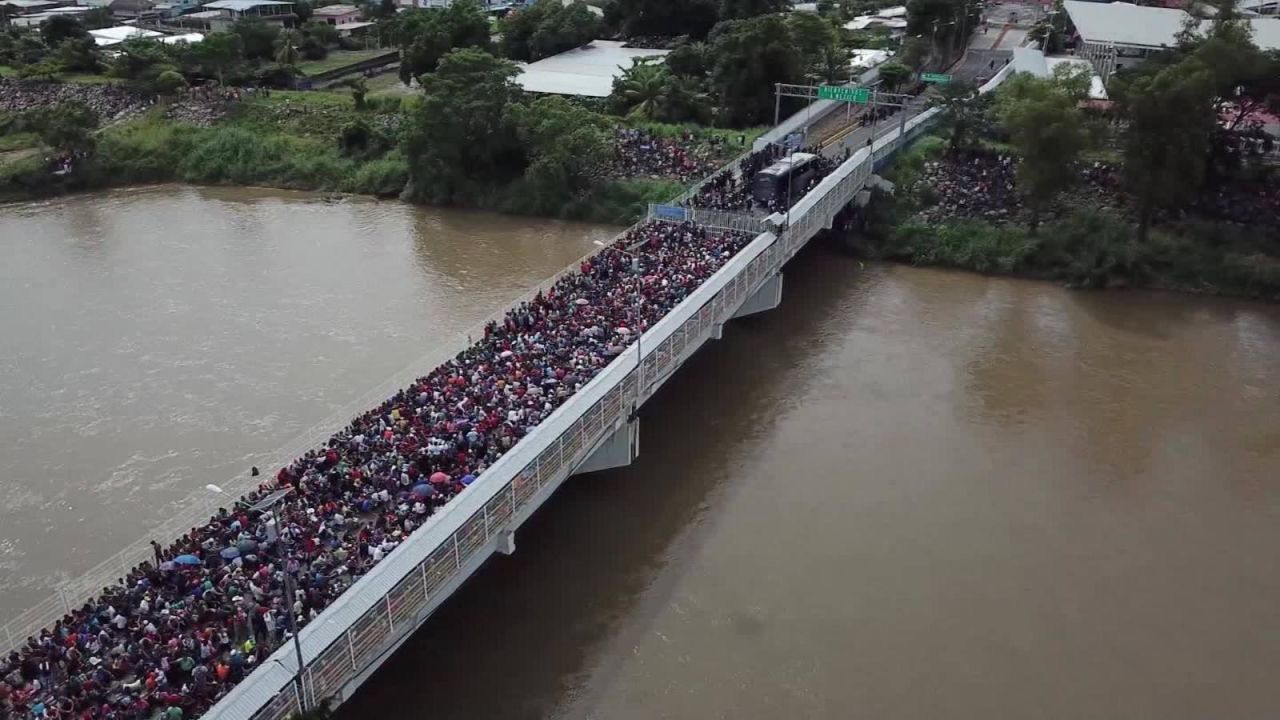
x=17, y=141
x=338, y=59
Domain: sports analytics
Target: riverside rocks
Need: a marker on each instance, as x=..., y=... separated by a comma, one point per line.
x=110, y=102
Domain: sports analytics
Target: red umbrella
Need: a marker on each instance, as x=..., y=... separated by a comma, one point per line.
x=439, y=478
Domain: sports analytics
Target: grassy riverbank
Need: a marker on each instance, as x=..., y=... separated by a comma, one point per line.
x=294, y=140
x=1084, y=246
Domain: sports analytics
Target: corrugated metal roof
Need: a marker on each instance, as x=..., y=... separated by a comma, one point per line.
x=587, y=71
x=1122, y=23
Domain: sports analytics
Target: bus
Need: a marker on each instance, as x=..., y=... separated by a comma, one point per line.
x=770, y=185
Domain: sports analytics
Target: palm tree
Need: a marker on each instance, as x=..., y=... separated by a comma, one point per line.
x=287, y=47
x=644, y=88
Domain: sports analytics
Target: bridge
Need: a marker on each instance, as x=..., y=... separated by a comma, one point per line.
x=595, y=429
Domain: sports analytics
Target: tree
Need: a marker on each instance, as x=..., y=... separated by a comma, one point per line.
x=97, y=18
x=642, y=89
x=813, y=35
x=303, y=11
x=1048, y=129
x=1169, y=120
x=459, y=140
x=547, y=27
x=963, y=111
x=79, y=55
x=425, y=36
x=169, y=83
x=60, y=28
x=218, y=53
x=323, y=32
x=287, y=47
x=567, y=147
x=257, y=37
x=893, y=74
x=749, y=57
x=359, y=89
x=670, y=18
x=66, y=127
x=742, y=9
x=690, y=60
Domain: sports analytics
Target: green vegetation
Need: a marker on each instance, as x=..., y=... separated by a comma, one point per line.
x=545, y=28
x=1170, y=154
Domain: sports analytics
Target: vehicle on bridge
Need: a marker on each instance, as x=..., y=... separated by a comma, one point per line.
x=770, y=186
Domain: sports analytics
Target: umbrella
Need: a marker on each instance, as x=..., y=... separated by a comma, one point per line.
x=187, y=560
x=423, y=490
x=246, y=546
x=505, y=354
x=582, y=301
x=439, y=478
x=468, y=479
x=229, y=553
x=623, y=330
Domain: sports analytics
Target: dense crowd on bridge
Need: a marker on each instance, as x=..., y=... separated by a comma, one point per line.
x=640, y=153
x=179, y=632
x=730, y=189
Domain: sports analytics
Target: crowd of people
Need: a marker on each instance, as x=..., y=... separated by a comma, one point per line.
x=974, y=184
x=731, y=189
x=109, y=102
x=640, y=153
x=177, y=633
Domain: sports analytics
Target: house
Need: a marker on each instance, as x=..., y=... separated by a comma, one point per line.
x=894, y=19
x=1117, y=35
x=336, y=15
x=1034, y=62
x=132, y=9
x=272, y=11
x=27, y=7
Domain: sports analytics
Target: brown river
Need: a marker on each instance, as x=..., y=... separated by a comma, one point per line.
x=904, y=494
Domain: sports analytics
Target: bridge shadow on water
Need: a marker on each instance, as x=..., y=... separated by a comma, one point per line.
x=520, y=638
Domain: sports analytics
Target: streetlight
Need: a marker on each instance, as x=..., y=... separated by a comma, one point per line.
x=289, y=592
x=639, y=332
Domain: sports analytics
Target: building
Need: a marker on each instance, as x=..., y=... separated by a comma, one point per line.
x=1117, y=35
x=268, y=10
x=893, y=19
x=106, y=37
x=587, y=71
x=336, y=15
x=346, y=18
x=1034, y=62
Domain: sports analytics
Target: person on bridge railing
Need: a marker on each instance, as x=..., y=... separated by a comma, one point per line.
x=176, y=635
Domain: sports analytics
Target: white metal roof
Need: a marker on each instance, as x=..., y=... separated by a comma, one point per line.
x=189, y=38
x=587, y=71
x=1122, y=23
x=865, y=58
x=242, y=5
x=335, y=10
x=120, y=33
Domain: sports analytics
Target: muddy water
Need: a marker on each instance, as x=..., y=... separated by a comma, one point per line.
x=160, y=339
x=904, y=494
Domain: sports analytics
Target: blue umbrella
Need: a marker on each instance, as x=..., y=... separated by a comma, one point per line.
x=187, y=560
x=468, y=479
x=230, y=553
x=423, y=490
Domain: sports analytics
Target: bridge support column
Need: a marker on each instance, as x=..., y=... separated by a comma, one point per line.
x=768, y=297
x=507, y=542
x=617, y=451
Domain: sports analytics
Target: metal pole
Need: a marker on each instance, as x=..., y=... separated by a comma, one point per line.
x=289, y=595
x=777, y=104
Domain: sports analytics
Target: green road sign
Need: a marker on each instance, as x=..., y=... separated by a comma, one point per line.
x=844, y=94
x=935, y=78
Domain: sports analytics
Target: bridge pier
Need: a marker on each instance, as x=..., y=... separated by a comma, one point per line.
x=507, y=542
x=618, y=450
x=768, y=297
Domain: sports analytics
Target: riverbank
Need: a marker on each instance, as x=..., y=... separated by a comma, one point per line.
x=314, y=141
x=1090, y=242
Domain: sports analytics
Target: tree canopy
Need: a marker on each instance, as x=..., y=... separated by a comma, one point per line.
x=425, y=36
x=670, y=18
x=748, y=57
x=547, y=27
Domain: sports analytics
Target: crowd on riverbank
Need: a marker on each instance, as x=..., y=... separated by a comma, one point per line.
x=180, y=632
x=640, y=153
x=109, y=101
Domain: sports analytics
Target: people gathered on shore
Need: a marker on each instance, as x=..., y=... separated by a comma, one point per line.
x=178, y=633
